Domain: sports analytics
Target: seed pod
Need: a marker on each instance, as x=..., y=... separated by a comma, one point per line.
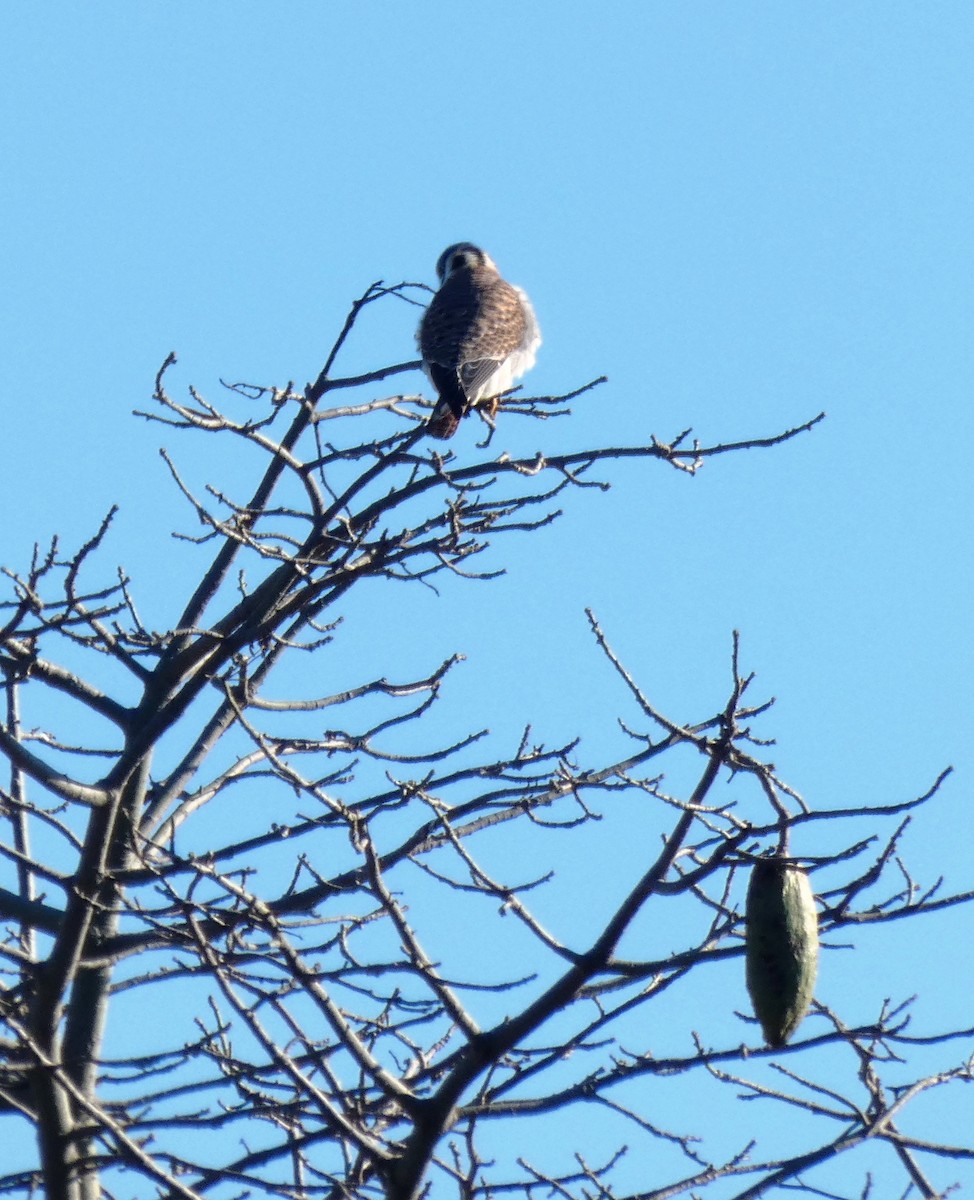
x=782, y=947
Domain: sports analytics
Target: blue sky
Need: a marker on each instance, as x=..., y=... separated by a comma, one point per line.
x=741, y=213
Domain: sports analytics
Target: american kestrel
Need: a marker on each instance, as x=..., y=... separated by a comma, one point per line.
x=477, y=337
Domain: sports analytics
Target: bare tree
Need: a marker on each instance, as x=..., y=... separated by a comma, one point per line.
x=359, y=997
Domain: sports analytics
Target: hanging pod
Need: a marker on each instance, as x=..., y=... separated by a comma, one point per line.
x=782, y=946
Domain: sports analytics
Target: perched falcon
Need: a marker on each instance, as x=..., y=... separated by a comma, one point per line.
x=477, y=337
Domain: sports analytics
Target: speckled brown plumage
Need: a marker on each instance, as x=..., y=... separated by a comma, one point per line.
x=477, y=336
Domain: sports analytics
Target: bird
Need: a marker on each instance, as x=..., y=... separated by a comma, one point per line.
x=477, y=337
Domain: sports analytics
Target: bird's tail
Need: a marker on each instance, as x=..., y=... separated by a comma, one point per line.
x=443, y=421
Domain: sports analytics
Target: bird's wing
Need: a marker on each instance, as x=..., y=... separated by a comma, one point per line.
x=449, y=386
x=474, y=376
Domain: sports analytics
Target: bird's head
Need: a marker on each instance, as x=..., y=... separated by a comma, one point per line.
x=462, y=256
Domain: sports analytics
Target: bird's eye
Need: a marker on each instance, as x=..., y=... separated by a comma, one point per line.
x=458, y=262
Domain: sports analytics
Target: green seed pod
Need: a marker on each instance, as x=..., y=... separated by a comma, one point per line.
x=782, y=947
